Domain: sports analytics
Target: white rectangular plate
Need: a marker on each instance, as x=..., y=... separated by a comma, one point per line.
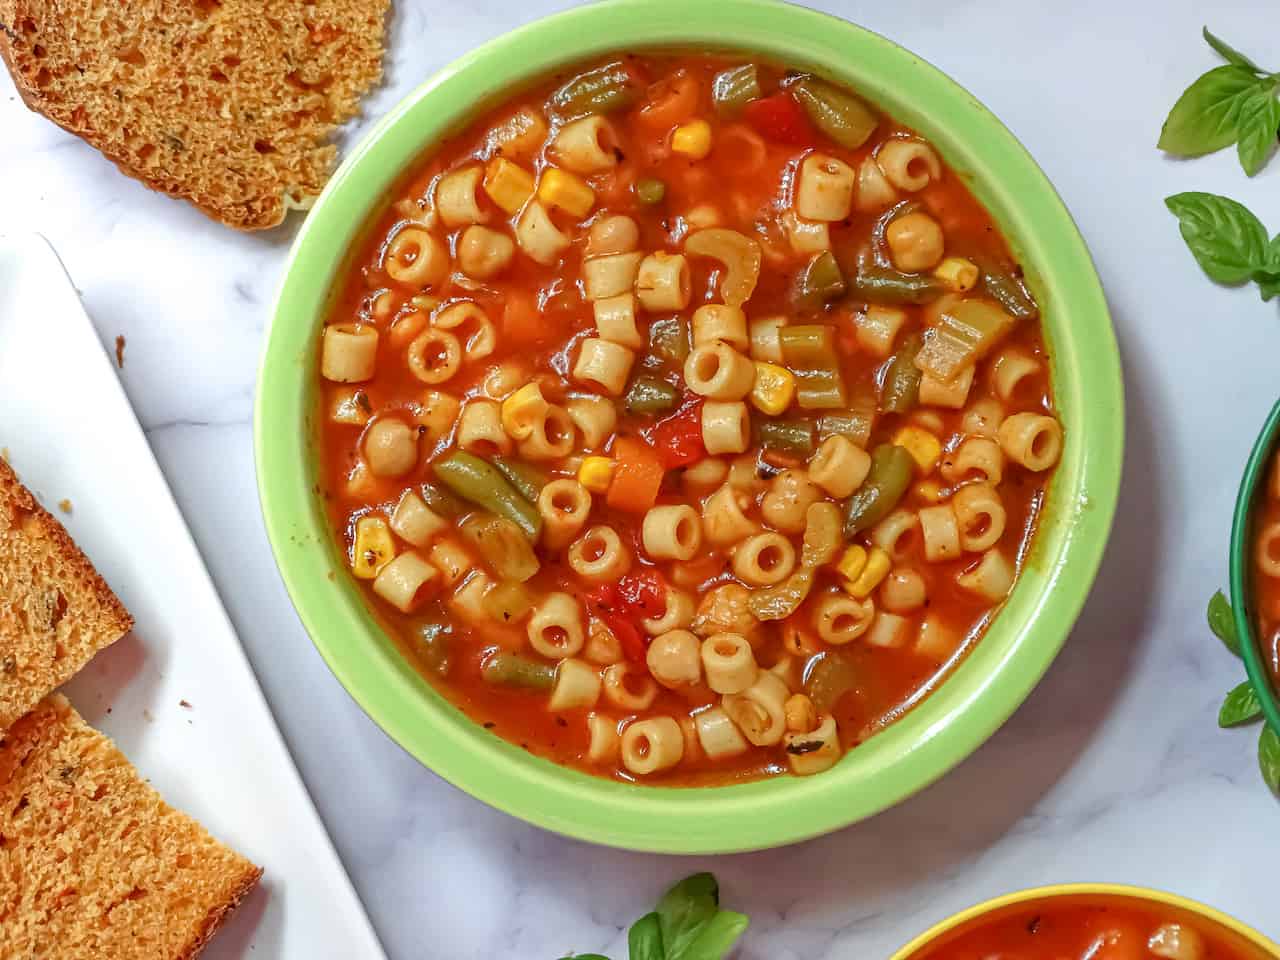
x=177, y=694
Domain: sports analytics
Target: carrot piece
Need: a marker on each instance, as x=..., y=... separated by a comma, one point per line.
x=670, y=101
x=521, y=321
x=636, y=478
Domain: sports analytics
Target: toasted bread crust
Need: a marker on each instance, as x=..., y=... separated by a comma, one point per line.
x=228, y=104
x=95, y=863
x=56, y=612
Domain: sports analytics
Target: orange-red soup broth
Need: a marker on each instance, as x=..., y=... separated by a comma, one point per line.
x=685, y=419
x=1089, y=928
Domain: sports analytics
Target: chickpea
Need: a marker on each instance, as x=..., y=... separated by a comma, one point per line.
x=915, y=242
x=390, y=447
x=612, y=234
x=790, y=495
x=903, y=590
x=484, y=253
x=674, y=659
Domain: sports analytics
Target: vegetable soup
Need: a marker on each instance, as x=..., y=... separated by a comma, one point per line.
x=1089, y=928
x=685, y=419
x=1266, y=567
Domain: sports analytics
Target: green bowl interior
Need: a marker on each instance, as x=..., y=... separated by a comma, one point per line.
x=1242, y=580
x=995, y=677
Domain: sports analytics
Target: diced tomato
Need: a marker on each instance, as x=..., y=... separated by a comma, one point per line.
x=678, y=438
x=780, y=118
x=643, y=592
x=607, y=604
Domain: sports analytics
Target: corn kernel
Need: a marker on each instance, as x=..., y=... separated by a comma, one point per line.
x=596, y=473
x=774, y=388
x=852, y=562
x=930, y=491
x=876, y=569
x=508, y=184
x=521, y=410
x=957, y=274
x=693, y=140
x=924, y=447
x=373, y=549
x=566, y=192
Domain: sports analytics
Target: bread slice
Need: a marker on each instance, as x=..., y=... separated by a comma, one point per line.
x=226, y=103
x=55, y=611
x=93, y=863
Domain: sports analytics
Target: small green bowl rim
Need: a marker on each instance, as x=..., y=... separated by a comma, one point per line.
x=1149, y=895
x=978, y=696
x=1241, y=583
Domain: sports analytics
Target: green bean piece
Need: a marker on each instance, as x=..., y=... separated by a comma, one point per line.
x=808, y=346
x=669, y=340
x=839, y=114
x=441, y=501
x=853, y=424
x=502, y=544
x=603, y=90
x=650, y=191
x=873, y=283
x=478, y=481
x=787, y=436
x=1007, y=289
x=512, y=670
x=733, y=89
x=434, y=644
x=818, y=283
x=648, y=395
x=525, y=477
x=820, y=389
x=901, y=390
x=508, y=601
x=892, y=468
x=827, y=678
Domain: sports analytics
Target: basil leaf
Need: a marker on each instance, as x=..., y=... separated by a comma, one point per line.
x=1259, y=121
x=1229, y=53
x=1268, y=284
x=684, y=910
x=1241, y=706
x=644, y=939
x=1269, y=758
x=1227, y=240
x=717, y=936
x=1206, y=116
x=1222, y=622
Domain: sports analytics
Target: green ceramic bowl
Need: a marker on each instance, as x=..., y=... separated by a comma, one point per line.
x=969, y=706
x=1242, y=605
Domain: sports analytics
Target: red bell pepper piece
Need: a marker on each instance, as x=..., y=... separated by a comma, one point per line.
x=678, y=438
x=780, y=118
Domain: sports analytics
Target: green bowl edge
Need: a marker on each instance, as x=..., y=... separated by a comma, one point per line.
x=966, y=709
x=1255, y=472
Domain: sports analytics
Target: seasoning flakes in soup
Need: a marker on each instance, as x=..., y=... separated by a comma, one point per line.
x=685, y=419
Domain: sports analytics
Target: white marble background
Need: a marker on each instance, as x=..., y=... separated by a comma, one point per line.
x=1114, y=769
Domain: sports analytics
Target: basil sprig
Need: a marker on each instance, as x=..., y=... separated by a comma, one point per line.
x=1242, y=705
x=687, y=924
x=1234, y=103
x=1227, y=240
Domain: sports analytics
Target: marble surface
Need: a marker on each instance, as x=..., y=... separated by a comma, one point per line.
x=1113, y=770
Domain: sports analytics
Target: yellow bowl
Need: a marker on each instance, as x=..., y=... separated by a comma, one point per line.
x=1249, y=943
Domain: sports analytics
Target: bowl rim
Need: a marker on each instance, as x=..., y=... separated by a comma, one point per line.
x=1061, y=890
x=1240, y=582
x=995, y=676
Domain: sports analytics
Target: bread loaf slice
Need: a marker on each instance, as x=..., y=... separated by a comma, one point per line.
x=55, y=611
x=93, y=863
x=226, y=103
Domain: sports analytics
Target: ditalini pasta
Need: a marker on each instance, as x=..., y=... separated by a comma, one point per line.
x=686, y=431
